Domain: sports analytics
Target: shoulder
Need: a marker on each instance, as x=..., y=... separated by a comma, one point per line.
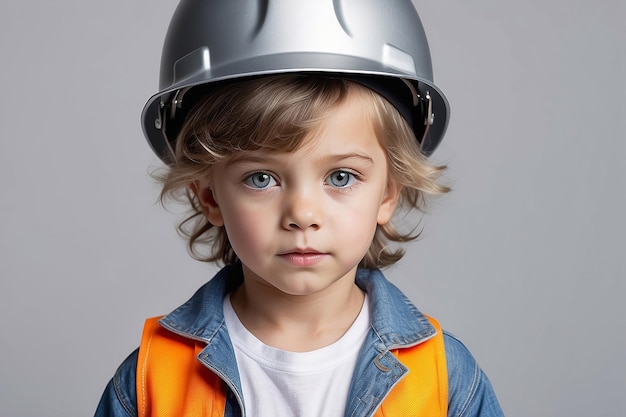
x=120, y=398
x=469, y=391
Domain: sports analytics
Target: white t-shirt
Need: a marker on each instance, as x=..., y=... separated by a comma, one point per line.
x=279, y=383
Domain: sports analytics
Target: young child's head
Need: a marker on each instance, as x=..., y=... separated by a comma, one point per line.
x=269, y=81
x=281, y=114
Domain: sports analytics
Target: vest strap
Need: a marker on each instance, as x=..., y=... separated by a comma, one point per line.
x=171, y=382
x=424, y=390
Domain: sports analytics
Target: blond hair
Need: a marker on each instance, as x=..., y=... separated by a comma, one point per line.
x=276, y=114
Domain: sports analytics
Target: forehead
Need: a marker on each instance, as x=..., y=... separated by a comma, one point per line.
x=284, y=120
x=349, y=124
x=345, y=132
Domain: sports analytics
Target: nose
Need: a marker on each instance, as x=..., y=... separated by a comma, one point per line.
x=302, y=210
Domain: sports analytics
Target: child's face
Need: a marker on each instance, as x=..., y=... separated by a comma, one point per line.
x=302, y=221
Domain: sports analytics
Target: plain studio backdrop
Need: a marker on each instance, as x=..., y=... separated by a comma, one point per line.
x=524, y=261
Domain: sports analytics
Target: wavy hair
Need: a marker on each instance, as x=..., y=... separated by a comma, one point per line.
x=276, y=114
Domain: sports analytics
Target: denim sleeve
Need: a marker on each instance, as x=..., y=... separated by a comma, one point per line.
x=119, y=398
x=470, y=393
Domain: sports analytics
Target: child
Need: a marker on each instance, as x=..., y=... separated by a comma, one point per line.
x=294, y=130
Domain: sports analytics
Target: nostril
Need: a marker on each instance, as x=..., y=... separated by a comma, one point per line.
x=296, y=226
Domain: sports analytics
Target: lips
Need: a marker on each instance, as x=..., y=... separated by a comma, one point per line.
x=303, y=257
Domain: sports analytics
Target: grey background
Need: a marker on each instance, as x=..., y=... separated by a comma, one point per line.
x=524, y=260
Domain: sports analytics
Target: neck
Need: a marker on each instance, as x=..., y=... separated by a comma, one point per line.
x=298, y=323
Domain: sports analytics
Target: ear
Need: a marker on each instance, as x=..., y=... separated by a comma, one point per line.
x=208, y=203
x=389, y=202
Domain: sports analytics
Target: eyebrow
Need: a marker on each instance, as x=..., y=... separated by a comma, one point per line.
x=348, y=156
x=246, y=157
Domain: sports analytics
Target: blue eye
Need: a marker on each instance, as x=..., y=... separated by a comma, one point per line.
x=260, y=180
x=340, y=179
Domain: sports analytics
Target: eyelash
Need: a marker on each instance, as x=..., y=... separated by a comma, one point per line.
x=353, y=179
x=248, y=179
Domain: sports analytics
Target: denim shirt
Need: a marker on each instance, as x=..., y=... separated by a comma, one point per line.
x=395, y=323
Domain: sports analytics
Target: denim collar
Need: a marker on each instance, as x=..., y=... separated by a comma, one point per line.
x=394, y=319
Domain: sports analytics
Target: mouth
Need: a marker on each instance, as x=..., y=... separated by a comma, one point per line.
x=302, y=257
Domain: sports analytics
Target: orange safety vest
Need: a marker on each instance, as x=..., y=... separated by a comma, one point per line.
x=171, y=382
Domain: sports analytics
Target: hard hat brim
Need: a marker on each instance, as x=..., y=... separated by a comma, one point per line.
x=195, y=72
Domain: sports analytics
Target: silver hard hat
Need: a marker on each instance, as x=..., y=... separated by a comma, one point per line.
x=379, y=43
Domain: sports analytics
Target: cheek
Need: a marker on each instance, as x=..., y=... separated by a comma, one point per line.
x=357, y=228
x=246, y=227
